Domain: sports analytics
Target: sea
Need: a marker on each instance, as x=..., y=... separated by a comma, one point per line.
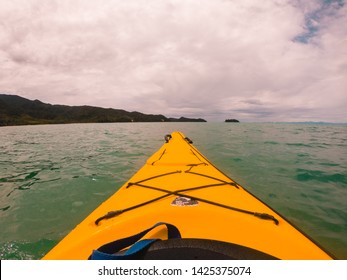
x=53, y=176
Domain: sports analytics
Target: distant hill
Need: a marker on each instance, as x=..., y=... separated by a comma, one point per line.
x=16, y=110
x=183, y=119
x=232, y=120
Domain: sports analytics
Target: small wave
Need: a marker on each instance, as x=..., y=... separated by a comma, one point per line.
x=19, y=177
x=323, y=145
x=22, y=250
x=271, y=142
x=21, y=188
x=25, y=143
x=299, y=145
x=31, y=175
x=5, y=208
x=329, y=164
x=303, y=155
x=317, y=175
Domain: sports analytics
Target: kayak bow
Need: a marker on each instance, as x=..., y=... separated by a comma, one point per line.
x=208, y=215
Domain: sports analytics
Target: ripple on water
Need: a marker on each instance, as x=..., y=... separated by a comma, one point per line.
x=321, y=176
x=55, y=175
x=25, y=250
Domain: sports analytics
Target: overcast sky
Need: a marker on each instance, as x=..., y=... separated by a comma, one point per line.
x=269, y=60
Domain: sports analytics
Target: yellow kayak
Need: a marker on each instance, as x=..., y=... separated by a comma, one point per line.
x=180, y=206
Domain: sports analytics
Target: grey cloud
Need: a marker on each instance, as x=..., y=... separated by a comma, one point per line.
x=196, y=58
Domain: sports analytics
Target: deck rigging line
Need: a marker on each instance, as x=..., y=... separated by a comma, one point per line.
x=182, y=192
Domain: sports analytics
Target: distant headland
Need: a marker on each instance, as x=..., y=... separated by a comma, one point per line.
x=16, y=110
x=232, y=120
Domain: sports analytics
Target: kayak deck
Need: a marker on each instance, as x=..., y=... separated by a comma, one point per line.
x=178, y=185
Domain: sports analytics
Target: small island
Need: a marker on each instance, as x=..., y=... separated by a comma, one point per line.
x=183, y=119
x=232, y=120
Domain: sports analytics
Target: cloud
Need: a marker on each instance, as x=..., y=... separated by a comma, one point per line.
x=254, y=60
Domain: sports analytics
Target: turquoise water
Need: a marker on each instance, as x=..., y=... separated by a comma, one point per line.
x=52, y=176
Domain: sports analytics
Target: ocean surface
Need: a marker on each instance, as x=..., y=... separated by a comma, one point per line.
x=53, y=176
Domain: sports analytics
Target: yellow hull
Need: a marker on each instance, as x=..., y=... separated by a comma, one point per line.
x=184, y=189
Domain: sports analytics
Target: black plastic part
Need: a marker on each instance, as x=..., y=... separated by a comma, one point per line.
x=167, y=138
x=201, y=249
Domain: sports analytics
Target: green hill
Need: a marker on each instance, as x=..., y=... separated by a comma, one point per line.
x=16, y=110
